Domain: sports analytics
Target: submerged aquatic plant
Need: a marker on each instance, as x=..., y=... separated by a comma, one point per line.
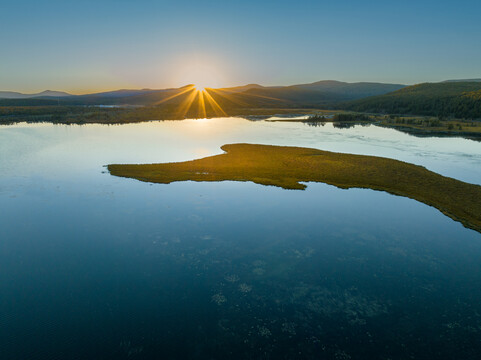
x=244, y=288
x=219, y=299
x=263, y=331
x=231, y=278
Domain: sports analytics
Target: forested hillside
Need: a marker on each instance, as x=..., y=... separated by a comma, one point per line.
x=448, y=99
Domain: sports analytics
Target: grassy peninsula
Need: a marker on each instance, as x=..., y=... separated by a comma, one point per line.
x=286, y=167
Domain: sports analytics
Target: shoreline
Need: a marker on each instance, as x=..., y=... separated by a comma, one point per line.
x=118, y=116
x=291, y=167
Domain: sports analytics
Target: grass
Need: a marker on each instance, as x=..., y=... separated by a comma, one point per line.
x=287, y=167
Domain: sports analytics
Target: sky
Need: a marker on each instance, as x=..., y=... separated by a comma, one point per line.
x=88, y=46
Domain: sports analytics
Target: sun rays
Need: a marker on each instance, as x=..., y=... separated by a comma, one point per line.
x=216, y=107
x=201, y=104
x=200, y=101
x=200, y=87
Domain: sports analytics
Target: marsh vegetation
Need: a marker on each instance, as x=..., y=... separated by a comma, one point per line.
x=291, y=167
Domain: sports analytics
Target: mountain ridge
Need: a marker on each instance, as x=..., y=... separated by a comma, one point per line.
x=323, y=87
x=45, y=93
x=456, y=99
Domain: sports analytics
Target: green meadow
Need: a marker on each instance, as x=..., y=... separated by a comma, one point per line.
x=291, y=167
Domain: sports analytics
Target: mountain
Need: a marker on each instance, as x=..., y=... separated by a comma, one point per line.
x=456, y=99
x=119, y=93
x=296, y=95
x=11, y=95
x=464, y=80
x=318, y=92
x=51, y=93
x=322, y=92
x=243, y=87
x=351, y=90
x=46, y=93
x=459, y=99
x=246, y=96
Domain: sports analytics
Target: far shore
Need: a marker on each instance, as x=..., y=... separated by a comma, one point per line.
x=414, y=125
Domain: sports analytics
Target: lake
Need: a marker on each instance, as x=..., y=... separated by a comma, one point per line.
x=99, y=267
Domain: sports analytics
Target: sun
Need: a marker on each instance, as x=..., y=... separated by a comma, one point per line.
x=203, y=97
x=200, y=87
x=204, y=72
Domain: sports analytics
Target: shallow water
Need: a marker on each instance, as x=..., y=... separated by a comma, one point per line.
x=94, y=266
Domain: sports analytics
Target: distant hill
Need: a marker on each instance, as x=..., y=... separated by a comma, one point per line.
x=243, y=87
x=464, y=80
x=46, y=93
x=314, y=94
x=246, y=96
x=445, y=99
x=351, y=90
x=319, y=92
x=296, y=95
x=119, y=93
x=459, y=99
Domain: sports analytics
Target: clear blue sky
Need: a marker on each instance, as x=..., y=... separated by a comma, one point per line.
x=84, y=46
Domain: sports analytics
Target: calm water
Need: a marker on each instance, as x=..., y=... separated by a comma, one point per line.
x=98, y=267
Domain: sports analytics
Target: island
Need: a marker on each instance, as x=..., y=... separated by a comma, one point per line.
x=291, y=167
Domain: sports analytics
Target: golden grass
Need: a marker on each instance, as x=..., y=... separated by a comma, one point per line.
x=286, y=167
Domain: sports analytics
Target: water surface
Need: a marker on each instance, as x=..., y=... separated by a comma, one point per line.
x=94, y=266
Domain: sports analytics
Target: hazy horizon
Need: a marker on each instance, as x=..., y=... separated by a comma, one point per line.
x=228, y=86
x=90, y=47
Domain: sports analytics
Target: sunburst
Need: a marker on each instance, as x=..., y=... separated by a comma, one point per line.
x=200, y=87
x=195, y=95
x=198, y=101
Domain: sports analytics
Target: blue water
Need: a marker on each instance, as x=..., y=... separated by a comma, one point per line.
x=98, y=267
